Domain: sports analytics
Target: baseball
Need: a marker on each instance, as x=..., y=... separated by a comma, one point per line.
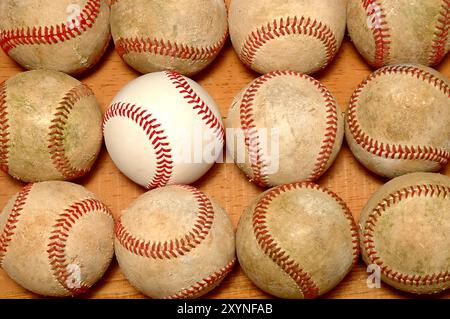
x=402, y=31
x=398, y=121
x=405, y=230
x=287, y=127
x=297, y=241
x=163, y=129
x=50, y=127
x=65, y=35
x=271, y=35
x=182, y=35
x=57, y=239
x=175, y=242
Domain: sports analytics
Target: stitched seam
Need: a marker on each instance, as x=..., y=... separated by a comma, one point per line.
x=155, y=134
x=389, y=151
x=380, y=31
x=288, y=26
x=56, y=249
x=57, y=128
x=4, y=126
x=204, y=284
x=197, y=104
x=251, y=136
x=13, y=218
x=431, y=191
x=273, y=250
x=169, y=48
x=173, y=248
x=10, y=39
x=441, y=34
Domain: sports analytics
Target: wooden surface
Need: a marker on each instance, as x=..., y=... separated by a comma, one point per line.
x=223, y=80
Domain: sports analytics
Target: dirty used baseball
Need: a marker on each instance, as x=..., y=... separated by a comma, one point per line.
x=398, y=121
x=405, y=230
x=162, y=129
x=50, y=127
x=287, y=127
x=64, y=35
x=57, y=239
x=175, y=242
x=401, y=31
x=297, y=241
x=179, y=35
x=271, y=35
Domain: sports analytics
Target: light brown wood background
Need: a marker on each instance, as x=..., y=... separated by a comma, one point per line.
x=223, y=80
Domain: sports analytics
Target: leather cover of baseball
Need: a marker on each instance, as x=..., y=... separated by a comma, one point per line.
x=65, y=35
x=176, y=35
x=50, y=127
x=163, y=129
x=287, y=126
x=297, y=241
x=405, y=229
x=272, y=35
x=175, y=242
x=57, y=239
x=400, y=31
x=398, y=121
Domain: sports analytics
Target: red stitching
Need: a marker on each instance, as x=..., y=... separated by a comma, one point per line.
x=155, y=133
x=4, y=126
x=56, y=132
x=287, y=26
x=204, y=284
x=10, y=39
x=272, y=249
x=13, y=218
x=380, y=32
x=251, y=136
x=167, y=48
x=370, y=225
x=58, y=240
x=385, y=150
x=176, y=247
x=197, y=104
x=441, y=34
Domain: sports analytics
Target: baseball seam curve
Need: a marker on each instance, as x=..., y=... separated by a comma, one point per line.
x=155, y=134
x=56, y=132
x=13, y=218
x=287, y=26
x=385, y=150
x=441, y=35
x=368, y=240
x=173, y=248
x=274, y=251
x=204, y=284
x=10, y=39
x=197, y=104
x=4, y=126
x=380, y=31
x=56, y=248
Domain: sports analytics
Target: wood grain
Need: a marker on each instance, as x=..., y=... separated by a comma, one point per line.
x=223, y=80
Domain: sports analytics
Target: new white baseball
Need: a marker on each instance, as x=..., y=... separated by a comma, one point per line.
x=175, y=242
x=163, y=129
x=287, y=127
x=272, y=35
x=56, y=238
